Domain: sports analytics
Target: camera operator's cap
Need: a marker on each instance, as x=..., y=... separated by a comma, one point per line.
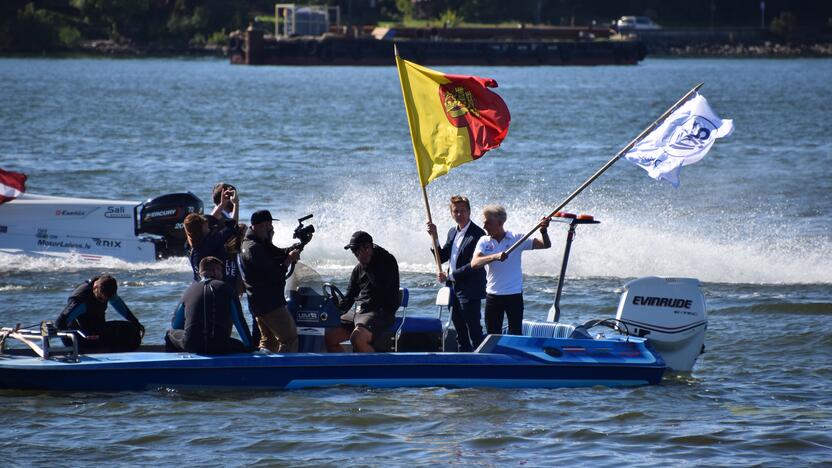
x=359, y=238
x=262, y=216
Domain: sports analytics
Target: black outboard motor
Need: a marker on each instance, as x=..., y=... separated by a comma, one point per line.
x=163, y=216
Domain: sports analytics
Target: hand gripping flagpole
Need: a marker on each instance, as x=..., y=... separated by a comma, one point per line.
x=612, y=161
x=405, y=88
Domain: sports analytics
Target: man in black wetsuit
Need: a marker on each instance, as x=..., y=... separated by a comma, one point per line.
x=84, y=312
x=210, y=305
x=374, y=285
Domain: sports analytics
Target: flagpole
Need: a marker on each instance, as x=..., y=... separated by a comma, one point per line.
x=405, y=87
x=612, y=161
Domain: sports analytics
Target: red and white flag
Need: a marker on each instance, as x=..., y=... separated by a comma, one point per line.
x=12, y=185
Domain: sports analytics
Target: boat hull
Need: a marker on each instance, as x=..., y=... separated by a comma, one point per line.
x=512, y=362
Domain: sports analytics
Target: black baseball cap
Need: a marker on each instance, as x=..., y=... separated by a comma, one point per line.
x=358, y=239
x=262, y=216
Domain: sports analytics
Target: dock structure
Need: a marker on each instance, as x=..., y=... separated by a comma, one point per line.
x=298, y=40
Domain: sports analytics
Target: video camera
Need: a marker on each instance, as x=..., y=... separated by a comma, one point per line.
x=303, y=233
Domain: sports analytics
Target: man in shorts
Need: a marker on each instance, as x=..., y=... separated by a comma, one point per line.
x=374, y=287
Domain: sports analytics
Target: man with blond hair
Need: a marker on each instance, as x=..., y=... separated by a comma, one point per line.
x=504, y=273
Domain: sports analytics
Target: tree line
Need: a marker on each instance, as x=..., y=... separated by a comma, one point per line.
x=65, y=24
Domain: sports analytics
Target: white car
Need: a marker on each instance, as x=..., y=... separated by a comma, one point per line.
x=635, y=22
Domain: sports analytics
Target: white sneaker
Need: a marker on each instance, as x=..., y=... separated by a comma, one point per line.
x=263, y=351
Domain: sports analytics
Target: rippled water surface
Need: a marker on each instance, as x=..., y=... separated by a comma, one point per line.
x=751, y=221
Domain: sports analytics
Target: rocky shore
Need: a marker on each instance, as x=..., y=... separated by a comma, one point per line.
x=767, y=49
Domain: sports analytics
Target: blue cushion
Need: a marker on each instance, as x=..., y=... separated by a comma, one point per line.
x=419, y=325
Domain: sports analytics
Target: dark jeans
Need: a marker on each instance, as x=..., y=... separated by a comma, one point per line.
x=466, y=318
x=511, y=305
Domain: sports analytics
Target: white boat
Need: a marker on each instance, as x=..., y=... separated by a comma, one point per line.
x=92, y=229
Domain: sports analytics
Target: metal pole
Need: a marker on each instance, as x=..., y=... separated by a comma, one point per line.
x=612, y=161
x=569, y=236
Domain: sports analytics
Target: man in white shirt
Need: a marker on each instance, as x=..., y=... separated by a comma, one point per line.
x=504, y=273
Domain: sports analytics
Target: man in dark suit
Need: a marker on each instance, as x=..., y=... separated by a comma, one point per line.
x=468, y=283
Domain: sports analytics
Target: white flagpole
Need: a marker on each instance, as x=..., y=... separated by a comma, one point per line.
x=612, y=161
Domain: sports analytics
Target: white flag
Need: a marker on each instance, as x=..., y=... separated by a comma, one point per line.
x=683, y=138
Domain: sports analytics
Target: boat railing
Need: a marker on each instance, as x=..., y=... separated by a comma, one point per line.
x=39, y=341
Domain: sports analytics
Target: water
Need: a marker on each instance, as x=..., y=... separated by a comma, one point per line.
x=752, y=221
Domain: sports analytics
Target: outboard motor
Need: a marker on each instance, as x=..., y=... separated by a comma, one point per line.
x=163, y=216
x=670, y=314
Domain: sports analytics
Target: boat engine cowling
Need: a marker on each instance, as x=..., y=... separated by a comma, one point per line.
x=670, y=314
x=163, y=216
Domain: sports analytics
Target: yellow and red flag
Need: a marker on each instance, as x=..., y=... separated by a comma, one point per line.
x=453, y=119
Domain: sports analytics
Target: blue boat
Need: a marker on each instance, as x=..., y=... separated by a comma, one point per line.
x=501, y=361
x=667, y=315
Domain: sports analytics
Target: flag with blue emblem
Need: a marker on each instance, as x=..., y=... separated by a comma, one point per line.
x=682, y=139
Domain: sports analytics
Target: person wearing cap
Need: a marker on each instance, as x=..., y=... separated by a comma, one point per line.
x=264, y=269
x=226, y=203
x=468, y=283
x=204, y=242
x=374, y=287
x=85, y=312
x=504, y=273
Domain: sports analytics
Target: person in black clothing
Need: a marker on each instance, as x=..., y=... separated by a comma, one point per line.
x=209, y=312
x=468, y=283
x=85, y=311
x=374, y=286
x=204, y=242
x=264, y=269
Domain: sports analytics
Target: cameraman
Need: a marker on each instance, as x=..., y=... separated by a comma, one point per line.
x=264, y=274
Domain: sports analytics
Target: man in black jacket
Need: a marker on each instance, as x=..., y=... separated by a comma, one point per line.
x=374, y=286
x=468, y=283
x=85, y=310
x=264, y=269
x=209, y=305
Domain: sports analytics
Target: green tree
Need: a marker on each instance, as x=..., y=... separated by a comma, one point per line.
x=783, y=25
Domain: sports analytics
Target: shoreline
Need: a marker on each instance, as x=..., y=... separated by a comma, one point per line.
x=102, y=49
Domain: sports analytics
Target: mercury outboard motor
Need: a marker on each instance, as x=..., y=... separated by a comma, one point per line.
x=670, y=314
x=163, y=216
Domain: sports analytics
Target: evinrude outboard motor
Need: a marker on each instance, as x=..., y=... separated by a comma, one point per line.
x=163, y=216
x=670, y=314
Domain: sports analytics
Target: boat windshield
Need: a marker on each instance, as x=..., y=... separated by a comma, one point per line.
x=304, y=277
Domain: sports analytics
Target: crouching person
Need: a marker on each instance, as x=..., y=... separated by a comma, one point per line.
x=208, y=310
x=85, y=312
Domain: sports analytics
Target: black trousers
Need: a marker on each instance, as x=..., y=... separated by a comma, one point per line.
x=510, y=305
x=117, y=336
x=175, y=342
x=466, y=318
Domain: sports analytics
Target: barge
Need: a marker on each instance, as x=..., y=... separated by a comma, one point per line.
x=439, y=46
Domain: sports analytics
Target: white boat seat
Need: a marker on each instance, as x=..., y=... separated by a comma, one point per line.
x=547, y=329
